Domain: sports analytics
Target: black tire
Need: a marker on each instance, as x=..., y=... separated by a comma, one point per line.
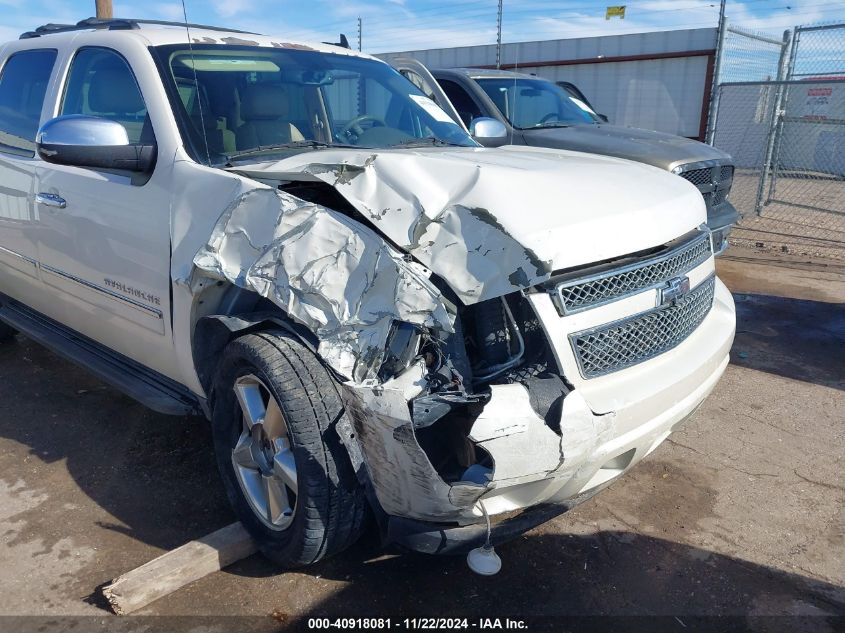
x=7, y=332
x=330, y=504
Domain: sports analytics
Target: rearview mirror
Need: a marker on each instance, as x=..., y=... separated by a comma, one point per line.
x=316, y=78
x=488, y=131
x=87, y=141
x=603, y=117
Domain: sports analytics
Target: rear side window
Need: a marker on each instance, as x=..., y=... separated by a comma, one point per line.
x=419, y=82
x=101, y=84
x=23, y=84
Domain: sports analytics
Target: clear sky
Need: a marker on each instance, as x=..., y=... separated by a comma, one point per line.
x=411, y=24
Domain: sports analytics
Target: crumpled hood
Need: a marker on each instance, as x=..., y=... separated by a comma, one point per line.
x=492, y=221
x=665, y=151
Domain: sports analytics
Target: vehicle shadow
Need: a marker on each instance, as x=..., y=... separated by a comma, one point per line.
x=156, y=477
x=153, y=476
x=155, y=480
x=556, y=574
x=794, y=338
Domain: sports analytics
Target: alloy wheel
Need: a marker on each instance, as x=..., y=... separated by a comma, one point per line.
x=262, y=457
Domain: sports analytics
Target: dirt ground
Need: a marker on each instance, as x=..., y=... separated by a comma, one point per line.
x=739, y=513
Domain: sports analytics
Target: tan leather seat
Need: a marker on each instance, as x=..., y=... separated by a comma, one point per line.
x=113, y=94
x=264, y=109
x=212, y=128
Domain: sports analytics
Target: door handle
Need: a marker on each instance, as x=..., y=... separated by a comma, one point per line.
x=50, y=200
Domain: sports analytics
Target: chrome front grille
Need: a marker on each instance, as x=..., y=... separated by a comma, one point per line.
x=597, y=289
x=699, y=176
x=614, y=346
x=714, y=181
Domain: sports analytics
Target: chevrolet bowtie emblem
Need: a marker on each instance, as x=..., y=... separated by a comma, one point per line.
x=674, y=289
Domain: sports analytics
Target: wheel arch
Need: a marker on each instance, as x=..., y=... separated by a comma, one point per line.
x=232, y=312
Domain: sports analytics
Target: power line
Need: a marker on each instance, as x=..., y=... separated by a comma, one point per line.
x=474, y=17
x=556, y=7
x=386, y=32
x=571, y=10
x=400, y=14
x=457, y=15
x=453, y=11
x=390, y=34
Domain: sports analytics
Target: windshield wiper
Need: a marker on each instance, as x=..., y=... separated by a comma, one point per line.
x=550, y=124
x=425, y=142
x=308, y=144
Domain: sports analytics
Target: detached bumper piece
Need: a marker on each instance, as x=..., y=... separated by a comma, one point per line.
x=450, y=539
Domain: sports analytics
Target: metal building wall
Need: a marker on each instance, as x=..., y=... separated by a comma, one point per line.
x=658, y=80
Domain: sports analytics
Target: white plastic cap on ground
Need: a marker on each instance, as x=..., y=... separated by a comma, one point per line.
x=484, y=561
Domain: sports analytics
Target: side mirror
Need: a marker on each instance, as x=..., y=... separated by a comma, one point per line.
x=88, y=141
x=488, y=131
x=603, y=117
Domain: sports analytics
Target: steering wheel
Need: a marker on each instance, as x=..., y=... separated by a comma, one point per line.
x=354, y=126
x=550, y=116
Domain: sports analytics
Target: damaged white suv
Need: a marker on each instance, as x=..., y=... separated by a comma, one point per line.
x=372, y=309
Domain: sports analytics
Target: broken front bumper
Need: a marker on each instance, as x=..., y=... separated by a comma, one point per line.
x=450, y=539
x=599, y=471
x=608, y=424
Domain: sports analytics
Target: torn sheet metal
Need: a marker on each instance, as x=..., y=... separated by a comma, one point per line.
x=524, y=450
x=460, y=213
x=332, y=274
x=461, y=242
x=403, y=478
x=522, y=445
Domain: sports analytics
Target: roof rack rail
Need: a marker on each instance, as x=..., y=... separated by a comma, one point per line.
x=116, y=24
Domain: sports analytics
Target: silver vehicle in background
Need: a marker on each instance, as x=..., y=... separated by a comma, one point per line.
x=537, y=112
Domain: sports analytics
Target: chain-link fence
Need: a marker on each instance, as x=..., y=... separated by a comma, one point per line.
x=783, y=121
x=818, y=51
x=789, y=184
x=750, y=56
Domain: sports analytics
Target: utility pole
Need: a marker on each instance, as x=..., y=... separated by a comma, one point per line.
x=714, y=82
x=499, y=36
x=360, y=32
x=104, y=9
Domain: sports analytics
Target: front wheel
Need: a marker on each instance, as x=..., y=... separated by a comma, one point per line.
x=286, y=473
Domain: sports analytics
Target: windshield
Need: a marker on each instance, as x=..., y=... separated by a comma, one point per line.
x=528, y=103
x=241, y=101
